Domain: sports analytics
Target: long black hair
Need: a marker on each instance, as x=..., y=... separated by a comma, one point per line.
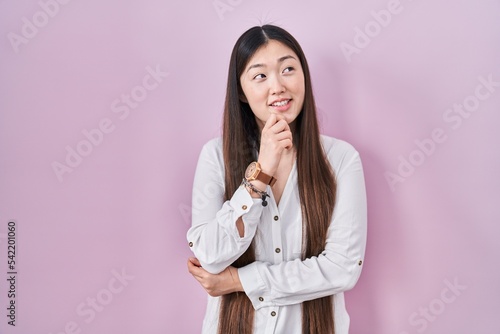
x=316, y=181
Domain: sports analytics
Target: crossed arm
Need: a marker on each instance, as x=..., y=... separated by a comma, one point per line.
x=336, y=269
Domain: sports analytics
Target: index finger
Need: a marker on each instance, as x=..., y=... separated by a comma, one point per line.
x=194, y=270
x=270, y=121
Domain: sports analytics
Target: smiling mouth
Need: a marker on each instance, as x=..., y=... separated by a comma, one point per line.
x=281, y=103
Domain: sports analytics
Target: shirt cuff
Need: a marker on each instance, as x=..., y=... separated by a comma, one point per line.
x=254, y=286
x=244, y=204
x=248, y=208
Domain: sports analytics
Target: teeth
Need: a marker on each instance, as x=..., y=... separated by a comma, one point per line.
x=281, y=104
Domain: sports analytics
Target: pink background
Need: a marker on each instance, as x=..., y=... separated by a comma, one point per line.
x=125, y=206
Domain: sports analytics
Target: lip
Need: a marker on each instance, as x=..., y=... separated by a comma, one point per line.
x=282, y=108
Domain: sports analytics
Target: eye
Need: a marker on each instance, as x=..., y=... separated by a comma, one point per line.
x=288, y=69
x=259, y=76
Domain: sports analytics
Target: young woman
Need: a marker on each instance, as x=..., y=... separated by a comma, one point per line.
x=279, y=211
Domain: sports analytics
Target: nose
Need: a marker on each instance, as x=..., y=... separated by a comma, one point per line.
x=277, y=86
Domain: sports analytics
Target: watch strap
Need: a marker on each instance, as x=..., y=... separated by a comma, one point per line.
x=267, y=179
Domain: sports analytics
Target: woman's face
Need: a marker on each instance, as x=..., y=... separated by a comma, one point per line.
x=273, y=82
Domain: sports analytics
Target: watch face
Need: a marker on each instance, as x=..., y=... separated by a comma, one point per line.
x=250, y=172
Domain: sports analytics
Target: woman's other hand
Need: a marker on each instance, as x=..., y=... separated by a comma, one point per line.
x=220, y=284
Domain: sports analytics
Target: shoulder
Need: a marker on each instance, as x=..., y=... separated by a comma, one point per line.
x=214, y=144
x=337, y=146
x=340, y=153
x=212, y=150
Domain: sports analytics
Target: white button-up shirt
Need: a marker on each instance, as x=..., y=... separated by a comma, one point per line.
x=279, y=281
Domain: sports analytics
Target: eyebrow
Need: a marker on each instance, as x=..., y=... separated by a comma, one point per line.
x=280, y=60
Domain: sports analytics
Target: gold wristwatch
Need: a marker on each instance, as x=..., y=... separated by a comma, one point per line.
x=254, y=172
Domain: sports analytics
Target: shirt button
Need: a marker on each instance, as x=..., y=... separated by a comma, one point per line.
x=277, y=250
x=273, y=313
x=276, y=217
x=244, y=207
x=190, y=244
x=261, y=299
x=360, y=262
